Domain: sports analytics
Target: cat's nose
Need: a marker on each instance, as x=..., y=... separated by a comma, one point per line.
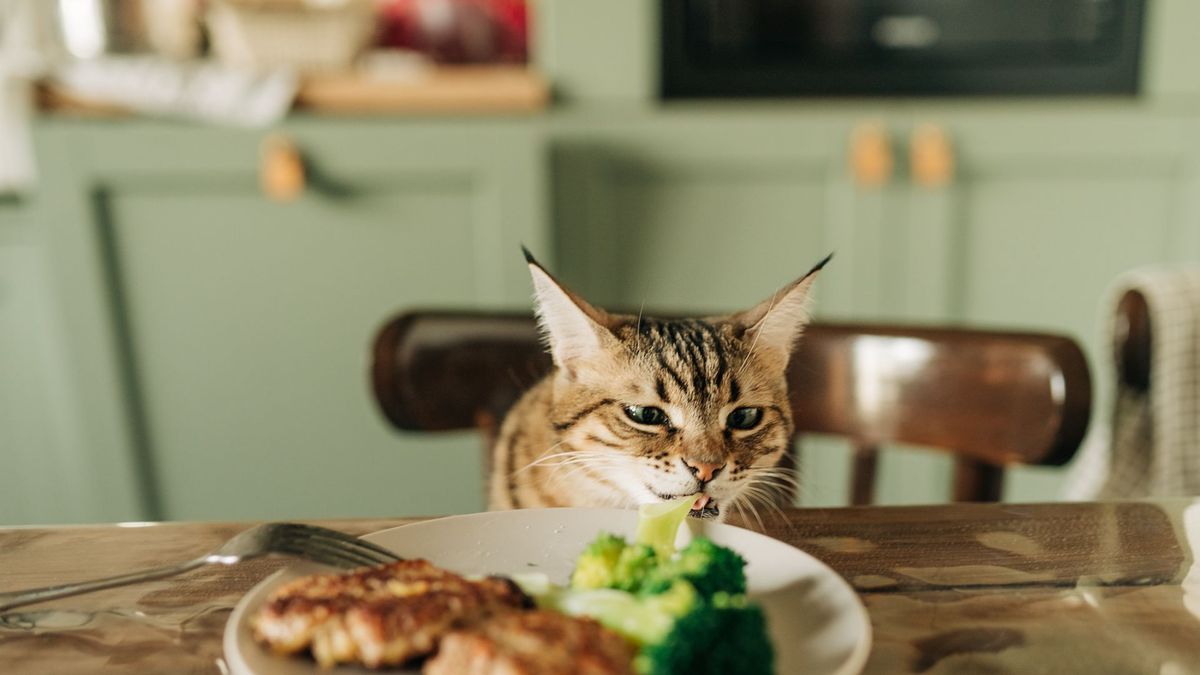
x=702, y=471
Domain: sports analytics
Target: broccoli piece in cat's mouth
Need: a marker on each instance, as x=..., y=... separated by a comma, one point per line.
x=709, y=510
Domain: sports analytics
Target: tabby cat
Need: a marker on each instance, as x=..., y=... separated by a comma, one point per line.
x=640, y=410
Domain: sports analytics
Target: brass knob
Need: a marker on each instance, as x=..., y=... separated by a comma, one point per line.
x=871, y=157
x=281, y=169
x=931, y=156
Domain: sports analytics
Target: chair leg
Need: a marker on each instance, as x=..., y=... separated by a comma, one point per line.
x=975, y=481
x=862, y=476
x=489, y=428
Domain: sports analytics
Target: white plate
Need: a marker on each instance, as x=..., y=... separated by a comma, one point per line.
x=817, y=623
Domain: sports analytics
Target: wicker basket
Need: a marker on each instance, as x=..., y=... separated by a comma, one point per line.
x=318, y=35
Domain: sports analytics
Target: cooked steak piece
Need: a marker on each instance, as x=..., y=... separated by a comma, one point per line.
x=378, y=616
x=537, y=642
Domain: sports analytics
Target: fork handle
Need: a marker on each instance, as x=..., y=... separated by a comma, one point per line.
x=28, y=597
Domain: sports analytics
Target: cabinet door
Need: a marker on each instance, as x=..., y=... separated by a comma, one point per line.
x=38, y=437
x=1044, y=212
x=699, y=212
x=233, y=332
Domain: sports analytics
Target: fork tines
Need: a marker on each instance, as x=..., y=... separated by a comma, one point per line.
x=332, y=547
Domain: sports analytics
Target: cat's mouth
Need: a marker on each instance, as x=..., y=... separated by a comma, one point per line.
x=707, y=505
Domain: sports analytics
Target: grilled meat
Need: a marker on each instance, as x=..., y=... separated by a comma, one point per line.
x=378, y=616
x=533, y=643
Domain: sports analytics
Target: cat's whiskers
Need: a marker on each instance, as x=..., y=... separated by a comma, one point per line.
x=582, y=455
x=584, y=466
x=751, y=508
x=566, y=462
x=593, y=469
x=578, y=461
x=779, y=483
x=736, y=506
x=784, y=478
x=771, y=491
x=562, y=457
x=771, y=468
x=773, y=487
x=779, y=477
x=561, y=467
x=757, y=499
x=545, y=457
x=769, y=497
x=608, y=498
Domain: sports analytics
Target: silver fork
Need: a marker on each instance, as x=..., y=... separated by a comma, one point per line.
x=318, y=544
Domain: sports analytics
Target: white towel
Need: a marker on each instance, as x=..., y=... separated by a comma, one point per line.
x=22, y=58
x=1150, y=447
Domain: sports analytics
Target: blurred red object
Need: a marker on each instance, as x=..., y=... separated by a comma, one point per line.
x=457, y=31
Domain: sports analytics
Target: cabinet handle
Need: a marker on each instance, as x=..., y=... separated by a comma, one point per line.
x=281, y=169
x=871, y=158
x=931, y=156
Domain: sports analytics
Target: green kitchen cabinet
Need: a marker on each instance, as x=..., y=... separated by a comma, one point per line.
x=699, y=209
x=221, y=339
x=177, y=345
x=1045, y=210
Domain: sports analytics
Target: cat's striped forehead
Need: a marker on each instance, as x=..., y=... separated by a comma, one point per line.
x=692, y=358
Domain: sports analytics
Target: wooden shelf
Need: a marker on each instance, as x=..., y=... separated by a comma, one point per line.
x=480, y=90
x=474, y=90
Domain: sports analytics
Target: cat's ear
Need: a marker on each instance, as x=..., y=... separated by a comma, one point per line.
x=774, y=324
x=572, y=328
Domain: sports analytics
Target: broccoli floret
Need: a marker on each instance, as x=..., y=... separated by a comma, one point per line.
x=686, y=611
x=595, y=566
x=634, y=566
x=610, y=562
x=707, y=566
x=678, y=631
x=641, y=619
x=724, y=635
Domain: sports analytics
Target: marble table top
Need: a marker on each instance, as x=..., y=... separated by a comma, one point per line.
x=965, y=588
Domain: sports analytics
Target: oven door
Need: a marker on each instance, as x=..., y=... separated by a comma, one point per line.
x=866, y=47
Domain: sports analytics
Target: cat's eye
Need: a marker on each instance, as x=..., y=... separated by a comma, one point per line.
x=645, y=414
x=744, y=418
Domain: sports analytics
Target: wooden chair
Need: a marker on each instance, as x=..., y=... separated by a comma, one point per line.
x=993, y=399
x=1132, y=341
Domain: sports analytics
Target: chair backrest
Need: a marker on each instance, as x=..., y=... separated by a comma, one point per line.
x=992, y=398
x=1131, y=341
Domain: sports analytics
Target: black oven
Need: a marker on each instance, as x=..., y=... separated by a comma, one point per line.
x=719, y=48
